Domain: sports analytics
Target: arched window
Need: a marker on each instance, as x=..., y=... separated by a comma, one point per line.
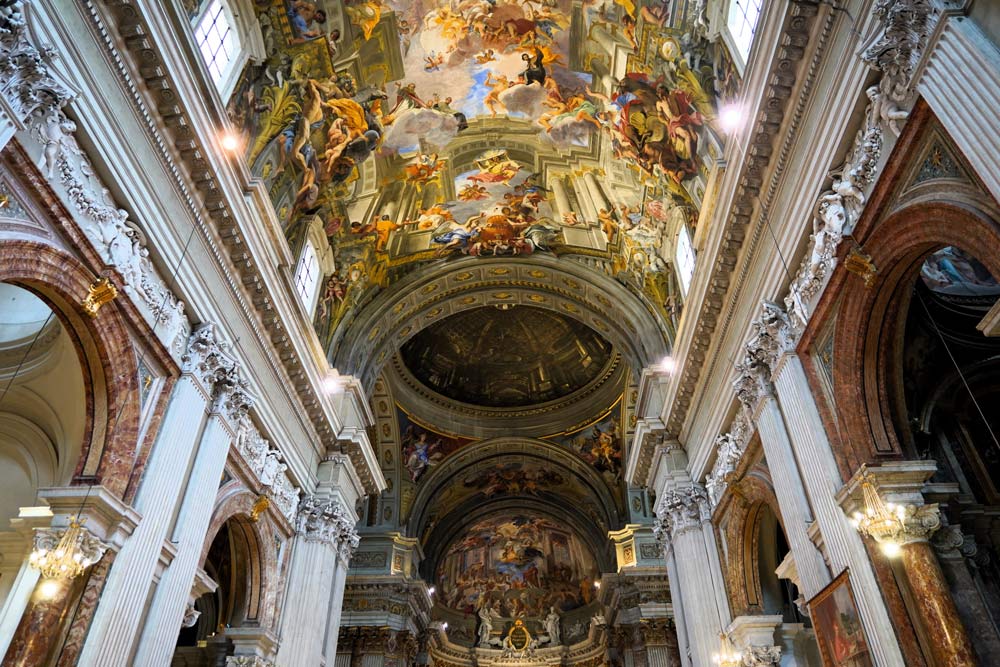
x=742, y=23
x=217, y=39
x=684, y=259
x=307, y=275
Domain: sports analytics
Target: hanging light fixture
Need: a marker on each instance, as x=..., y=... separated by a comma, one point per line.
x=882, y=521
x=65, y=554
x=727, y=657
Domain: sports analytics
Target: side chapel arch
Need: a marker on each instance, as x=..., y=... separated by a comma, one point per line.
x=107, y=359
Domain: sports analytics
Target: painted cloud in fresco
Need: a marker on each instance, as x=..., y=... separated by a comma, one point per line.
x=433, y=127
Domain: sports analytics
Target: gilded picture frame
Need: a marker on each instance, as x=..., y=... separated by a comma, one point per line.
x=837, y=623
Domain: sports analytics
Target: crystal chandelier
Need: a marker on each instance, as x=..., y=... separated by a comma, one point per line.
x=726, y=657
x=65, y=554
x=883, y=522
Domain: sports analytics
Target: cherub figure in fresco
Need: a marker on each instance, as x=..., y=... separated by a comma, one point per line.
x=608, y=224
x=486, y=56
x=497, y=84
x=472, y=192
x=433, y=62
x=334, y=291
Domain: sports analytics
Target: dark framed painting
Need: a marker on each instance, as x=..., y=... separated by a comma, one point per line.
x=839, y=633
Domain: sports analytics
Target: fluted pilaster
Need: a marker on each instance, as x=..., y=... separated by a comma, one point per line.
x=683, y=513
x=324, y=542
x=230, y=403
x=822, y=481
x=118, y=617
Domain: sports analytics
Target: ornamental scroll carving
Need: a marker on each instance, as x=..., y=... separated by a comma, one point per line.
x=730, y=447
x=36, y=97
x=268, y=465
x=895, y=50
x=26, y=79
x=119, y=240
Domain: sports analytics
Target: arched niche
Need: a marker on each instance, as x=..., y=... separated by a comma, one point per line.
x=442, y=289
x=439, y=494
x=108, y=445
x=871, y=320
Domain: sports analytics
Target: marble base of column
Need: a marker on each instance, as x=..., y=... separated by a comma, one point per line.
x=36, y=636
x=946, y=635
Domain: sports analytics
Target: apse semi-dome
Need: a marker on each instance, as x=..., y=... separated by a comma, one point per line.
x=501, y=358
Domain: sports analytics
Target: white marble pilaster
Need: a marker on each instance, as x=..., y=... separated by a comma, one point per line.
x=586, y=203
x=596, y=192
x=821, y=478
x=119, y=613
x=677, y=606
x=683, y=509
x=166, y=613
x=325, y=539
x=562, y=199
x=755, y=391
x=335, y=608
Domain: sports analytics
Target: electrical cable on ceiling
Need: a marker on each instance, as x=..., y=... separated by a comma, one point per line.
x=958, y=369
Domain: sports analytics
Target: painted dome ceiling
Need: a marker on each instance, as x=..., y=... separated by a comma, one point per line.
x=507, y=358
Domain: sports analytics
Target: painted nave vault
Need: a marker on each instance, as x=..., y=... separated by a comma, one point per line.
x=499, y=333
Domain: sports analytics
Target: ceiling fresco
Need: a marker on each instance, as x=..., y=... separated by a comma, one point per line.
x=423, y=448
x=490, y=358
x=518, y=565
x=410, y=133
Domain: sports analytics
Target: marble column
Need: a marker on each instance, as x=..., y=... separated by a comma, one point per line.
x=336, y=603
x=46, y=612
x=946, y=633
x=123, y=601
x=562, y=198
x=755, y=391
x=587, y=206
x=682, y=511
x=50, y=603
x=166, y=614
x=822, y=480
x=596, y=192
x=325, y=535
x=933, y=607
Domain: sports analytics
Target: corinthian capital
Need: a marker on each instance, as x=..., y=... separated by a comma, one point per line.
x=27, y=82
x=208, y=357
x=761, y=656
x=683, y=509
x=232, y=396
x=327, y=521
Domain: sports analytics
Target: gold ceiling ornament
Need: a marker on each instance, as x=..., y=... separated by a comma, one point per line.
x=259, y=507
x=99, y=293
x=727, y=655
x=64, y=553
x=860, y=263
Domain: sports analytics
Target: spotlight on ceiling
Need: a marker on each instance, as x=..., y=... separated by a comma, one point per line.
x=333, y=384
x=667, y=364
x=229, y=141
x=730, y=118
x=430, y=591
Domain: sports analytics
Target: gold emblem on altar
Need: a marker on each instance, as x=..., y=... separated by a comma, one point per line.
x=518, y=637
